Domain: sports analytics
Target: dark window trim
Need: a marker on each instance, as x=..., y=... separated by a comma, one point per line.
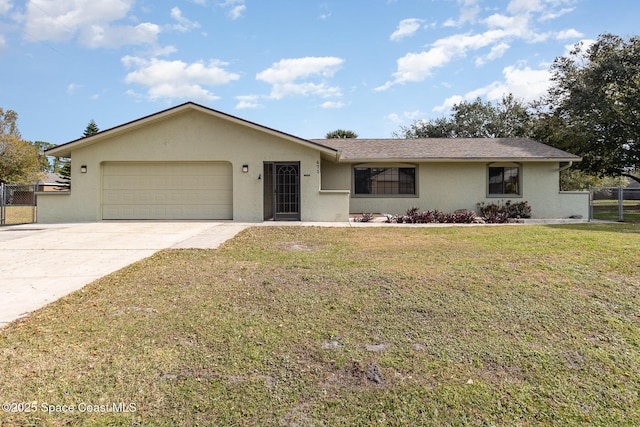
x=519, y=193
x=384, y=166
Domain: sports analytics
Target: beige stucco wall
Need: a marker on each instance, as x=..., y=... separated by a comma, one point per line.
x=451, y=186
x=194, y=136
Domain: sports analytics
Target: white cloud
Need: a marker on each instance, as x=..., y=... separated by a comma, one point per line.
x=287, y=70
x=394, y=117
x=584, y=44
x=548, y=9
x=3, y=43
x=177, y=79
x=406, y=28
x=496, y=52
x=325, y=11
x=415, y=67
x=501, y=30
x=291, y=77
x=332, y=104
x=407, y=116
x=469, y=9
x=92, y=22
x=71, y=87
x=569, y=34
x=518, y=26
x=449, y=23
x=525, y=6
x=183, y=24
x=248, y=102
x=156, y=51
x=236, y=8
x=556, y=14
x=5, y=6
x=97, y=36
x=413, y=115
x=236, y=11
x=523, y=82
x=450, y=102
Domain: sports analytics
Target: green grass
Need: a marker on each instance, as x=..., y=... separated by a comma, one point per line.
x=507, y=325
x=609, y=211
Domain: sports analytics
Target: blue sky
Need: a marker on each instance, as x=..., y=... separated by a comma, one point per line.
x=304, y=67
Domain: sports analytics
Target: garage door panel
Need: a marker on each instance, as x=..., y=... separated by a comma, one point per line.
x=196, y=197
x=165, y=182
x=167, y=212
x=173, y=190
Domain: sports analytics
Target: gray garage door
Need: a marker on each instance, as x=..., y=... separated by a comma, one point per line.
x=167, y=190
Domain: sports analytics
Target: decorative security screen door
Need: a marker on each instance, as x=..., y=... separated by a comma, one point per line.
x=285, y=183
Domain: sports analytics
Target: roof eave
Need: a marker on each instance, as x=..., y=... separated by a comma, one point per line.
x=458, y=159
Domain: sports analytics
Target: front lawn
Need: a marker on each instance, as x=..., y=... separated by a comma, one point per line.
x=301, y=326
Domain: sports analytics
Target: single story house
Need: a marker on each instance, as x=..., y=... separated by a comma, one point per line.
x=193, y=162
x=52, y=182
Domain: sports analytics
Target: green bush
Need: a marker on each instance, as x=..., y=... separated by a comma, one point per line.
x=504, y=212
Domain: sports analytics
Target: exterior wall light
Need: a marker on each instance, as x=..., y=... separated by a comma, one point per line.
x=83, y=169
x=245, y=168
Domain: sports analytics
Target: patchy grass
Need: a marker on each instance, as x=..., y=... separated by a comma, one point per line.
x=509, y=325
x=609, y=212
x=19, y=214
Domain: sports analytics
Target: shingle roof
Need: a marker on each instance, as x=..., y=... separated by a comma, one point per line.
x=51, y=178
x=434, y=149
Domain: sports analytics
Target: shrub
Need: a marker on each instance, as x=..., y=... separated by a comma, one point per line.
x=415, y=216
x=366, y=217
x=518, y=210
x=504, y=212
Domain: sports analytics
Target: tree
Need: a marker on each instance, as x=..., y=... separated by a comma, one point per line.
x=45, y=164
x=441, y=127
x=91, y=129
x=19, y=162
x=65, y=173
x=593, y=106
x=341, y=133
x=507, y=118
x=65, y=169
x=577, y=180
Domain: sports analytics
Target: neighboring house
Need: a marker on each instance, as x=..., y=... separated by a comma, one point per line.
x=52, y=182
x=193, y=162
x=632, y=191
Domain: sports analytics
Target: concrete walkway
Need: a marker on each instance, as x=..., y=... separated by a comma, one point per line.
x=41, y=263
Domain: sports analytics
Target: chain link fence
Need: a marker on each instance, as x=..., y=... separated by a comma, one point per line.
x=614, y=204
x=17, y=204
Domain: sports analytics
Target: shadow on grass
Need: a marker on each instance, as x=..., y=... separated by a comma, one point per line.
x=606, y=226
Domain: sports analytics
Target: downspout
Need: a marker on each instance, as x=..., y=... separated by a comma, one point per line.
x=565, y=167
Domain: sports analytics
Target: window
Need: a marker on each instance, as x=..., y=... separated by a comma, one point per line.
x=504, y=180
x=384, y=181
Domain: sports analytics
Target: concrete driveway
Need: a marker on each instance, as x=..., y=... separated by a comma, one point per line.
x=41, y=263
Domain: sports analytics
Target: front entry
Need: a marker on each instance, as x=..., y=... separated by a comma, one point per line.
x=282, y=191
